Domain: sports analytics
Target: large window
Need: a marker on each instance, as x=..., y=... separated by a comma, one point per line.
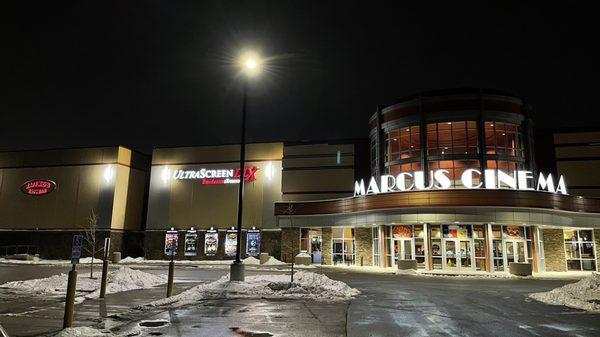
x=455, y=169
x=403, y=143
x=373, y=154
x=579, y=249
x=376, y=247
x=503, y=139
x=449, y=138
x=343, y=245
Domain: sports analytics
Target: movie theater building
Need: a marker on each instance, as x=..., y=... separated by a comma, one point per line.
x=454, y=187
x=194, y=190
x=47, y=196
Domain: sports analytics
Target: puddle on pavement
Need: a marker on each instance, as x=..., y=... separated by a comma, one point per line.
x=153, y=324
x=244, y=333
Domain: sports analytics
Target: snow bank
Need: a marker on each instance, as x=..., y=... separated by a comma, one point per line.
x=85, y=260
x=251, y=260
x=83, y=331
x=306, y=286
x=120, y=280
x=584, y=294
x=273, y=262
x=141, y=260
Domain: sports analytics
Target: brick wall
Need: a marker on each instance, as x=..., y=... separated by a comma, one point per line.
x=554, y=249
x=290, y=243
x=364, y=245
x=326, y=247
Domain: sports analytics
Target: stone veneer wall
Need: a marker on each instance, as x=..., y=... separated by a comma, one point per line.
x=364, y=246
x=290, y=244
x=554, y=249
x=326, y=246
x=597, y=239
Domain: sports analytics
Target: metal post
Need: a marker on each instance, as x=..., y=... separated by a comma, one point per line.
x=171, y=272
x=70, y=298
x=237, y=268
x=292, y=276
x=104, y=278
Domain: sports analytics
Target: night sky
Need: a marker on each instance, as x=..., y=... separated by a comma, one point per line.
x=162, y=73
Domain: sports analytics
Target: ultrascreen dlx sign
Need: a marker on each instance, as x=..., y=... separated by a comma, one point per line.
x=217, y=176
x=470, y=179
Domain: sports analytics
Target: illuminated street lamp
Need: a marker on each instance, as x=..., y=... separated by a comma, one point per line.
x=250, y=65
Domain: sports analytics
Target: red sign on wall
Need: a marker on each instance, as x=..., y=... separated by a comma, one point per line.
x=38, y=187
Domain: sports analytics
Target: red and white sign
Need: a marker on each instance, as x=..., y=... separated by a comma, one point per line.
x=217, y=176
x=38, y=187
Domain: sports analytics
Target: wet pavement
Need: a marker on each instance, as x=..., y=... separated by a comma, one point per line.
x=390, y=305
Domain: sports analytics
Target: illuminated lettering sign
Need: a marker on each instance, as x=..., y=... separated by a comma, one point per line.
x=38, y=187
x=470, y=179
x=217, y=176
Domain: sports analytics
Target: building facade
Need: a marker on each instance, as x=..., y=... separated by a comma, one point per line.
x=47, y=196
x=455, y=187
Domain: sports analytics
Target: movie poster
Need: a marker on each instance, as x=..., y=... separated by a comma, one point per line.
x=230, y=242
x=191, y=243
x=171, y=238
x=402, y=231
x=514, y=232
x=253, y=242
x=211, y=242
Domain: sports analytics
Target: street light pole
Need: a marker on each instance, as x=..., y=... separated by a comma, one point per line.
x=237, y=268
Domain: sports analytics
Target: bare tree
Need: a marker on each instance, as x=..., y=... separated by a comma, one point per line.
x=90, y=230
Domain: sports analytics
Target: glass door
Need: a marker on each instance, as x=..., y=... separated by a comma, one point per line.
x=458, y=254
x=315, y=248
x=514, y=252
x=403, y=250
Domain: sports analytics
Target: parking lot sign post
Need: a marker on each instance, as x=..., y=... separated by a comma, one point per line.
x=105, y=267
x=72, y=281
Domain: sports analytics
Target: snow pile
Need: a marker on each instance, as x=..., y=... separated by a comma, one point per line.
x=306, y=286
x=251, y=260
x=36, y=261
x=132, y=260
x=273, y=262
x=83, y=331
x=120, y=280
x=303, y=254
x=584, y=294
x=141, y=260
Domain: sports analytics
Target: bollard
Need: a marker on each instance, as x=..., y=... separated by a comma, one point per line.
x=170, y=281
x=70, y=299
x=104, y=278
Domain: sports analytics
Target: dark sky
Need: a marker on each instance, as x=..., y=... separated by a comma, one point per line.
x=160, y=73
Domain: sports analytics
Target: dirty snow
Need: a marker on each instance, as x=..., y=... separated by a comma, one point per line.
x=83, y=331
x=273, y=262
x=37, y=260
x=584, y=294
x=120, y=280
x=251, y=260
x=306, y=286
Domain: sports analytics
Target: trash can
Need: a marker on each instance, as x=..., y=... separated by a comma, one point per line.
x=116, y=257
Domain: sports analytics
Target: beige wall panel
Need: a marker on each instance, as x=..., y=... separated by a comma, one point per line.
x=317, y=161
x=317, y=149
x=40, y=158
x=579, y=173
x=577, y=151
x=223, y=153
x=120, y=197
x=578, y=137
x=124, y=156
x=90, y=186
x=318, y=180
x=77, y=190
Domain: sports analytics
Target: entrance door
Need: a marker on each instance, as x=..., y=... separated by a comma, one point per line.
x=514, y=251
x=403, y=250
x=458, y=254
x=315, y=248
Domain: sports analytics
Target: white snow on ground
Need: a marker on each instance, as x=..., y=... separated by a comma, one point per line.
x=273, y=262
x=251, y=260
x=141, y=260
x=120, y=280
x=85, y=260
x=584, y=294
x=83, y=331
x=306, y=286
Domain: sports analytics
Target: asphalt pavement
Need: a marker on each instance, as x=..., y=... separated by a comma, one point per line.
x=390, y=305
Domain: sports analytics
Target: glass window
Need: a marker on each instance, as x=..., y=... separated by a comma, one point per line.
x=503, y=139
x=450, y=138
x=580, y=249
x=376, y=247
x=455, y=169
x=343, y=245
x=403, y=143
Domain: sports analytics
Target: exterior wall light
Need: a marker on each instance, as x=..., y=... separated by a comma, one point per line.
x=108, y=174
x=269, y=171
x=165, y=174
